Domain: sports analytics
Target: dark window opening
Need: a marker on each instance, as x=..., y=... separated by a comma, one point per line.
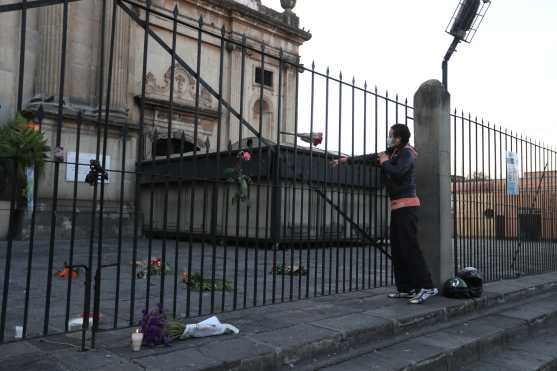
x=530, y=224
x=500, y=233
x=267, y=77
x=160, y=147
x=489, y=213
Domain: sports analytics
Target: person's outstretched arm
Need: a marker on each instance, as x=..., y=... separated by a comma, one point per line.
x=364, y=159
x=372, y=160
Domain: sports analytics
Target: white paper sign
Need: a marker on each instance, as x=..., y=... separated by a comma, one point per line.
x=30, y=175
x=512, y=174
x=83, y=169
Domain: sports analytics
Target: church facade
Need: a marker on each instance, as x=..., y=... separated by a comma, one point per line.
x=87, y=132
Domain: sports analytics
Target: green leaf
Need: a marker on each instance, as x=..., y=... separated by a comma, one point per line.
x=27, y=146
x=243, y=187
x=229, y=172
x=20, y=119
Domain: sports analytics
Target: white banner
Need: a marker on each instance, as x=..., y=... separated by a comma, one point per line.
x=83, y=169
x=513, y=176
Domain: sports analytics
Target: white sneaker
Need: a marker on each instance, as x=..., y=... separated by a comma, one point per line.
x=402, y=295
x=423, y=295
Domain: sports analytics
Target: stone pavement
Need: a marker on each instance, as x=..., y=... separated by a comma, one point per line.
x=248, y=272
x=274, y=336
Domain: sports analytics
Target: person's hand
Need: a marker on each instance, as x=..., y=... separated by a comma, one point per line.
x=339, y=161
x=383, y=157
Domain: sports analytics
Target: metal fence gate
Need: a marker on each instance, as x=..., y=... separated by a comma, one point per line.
x=504, y=200
x=222, y=203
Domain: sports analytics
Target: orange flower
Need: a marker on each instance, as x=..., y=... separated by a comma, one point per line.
x=66, y=273
x=33, y=125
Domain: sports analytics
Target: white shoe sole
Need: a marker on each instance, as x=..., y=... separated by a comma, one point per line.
x=421, y=301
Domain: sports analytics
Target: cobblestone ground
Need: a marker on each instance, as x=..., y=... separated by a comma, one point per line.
x=247, y=271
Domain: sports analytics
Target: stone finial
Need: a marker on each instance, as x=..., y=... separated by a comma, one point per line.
x=288, y=5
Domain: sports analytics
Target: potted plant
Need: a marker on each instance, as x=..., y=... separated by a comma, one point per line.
x=23, y=150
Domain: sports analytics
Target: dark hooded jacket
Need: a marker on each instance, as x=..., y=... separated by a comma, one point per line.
x=399, y=173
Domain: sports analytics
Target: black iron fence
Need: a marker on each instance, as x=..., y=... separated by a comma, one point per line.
x=208, y=186
x=504, y=200
x=198, y=199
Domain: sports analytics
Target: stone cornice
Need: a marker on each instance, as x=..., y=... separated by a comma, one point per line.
x=265, y=15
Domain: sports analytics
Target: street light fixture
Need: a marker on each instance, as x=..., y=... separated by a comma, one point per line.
x=464, y=24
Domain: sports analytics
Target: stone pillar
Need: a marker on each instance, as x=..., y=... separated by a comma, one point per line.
x=83, y=50
x=9, y=44
x=81, y=71
x=120, y=93
x=48, y=67
x=432, y=133
x=119, y=97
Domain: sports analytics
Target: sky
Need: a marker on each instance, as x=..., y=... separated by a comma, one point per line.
x=506, y=76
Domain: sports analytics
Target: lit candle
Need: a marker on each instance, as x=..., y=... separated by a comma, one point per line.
x=19, y=332
x=137, y=340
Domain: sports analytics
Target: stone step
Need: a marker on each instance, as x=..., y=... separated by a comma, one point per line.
x=339, y=324
x=536, y=353
x=456, y=343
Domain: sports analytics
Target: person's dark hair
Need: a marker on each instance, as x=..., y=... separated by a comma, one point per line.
x=402, y=132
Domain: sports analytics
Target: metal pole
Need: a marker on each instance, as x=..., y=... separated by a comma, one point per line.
x=445, y=65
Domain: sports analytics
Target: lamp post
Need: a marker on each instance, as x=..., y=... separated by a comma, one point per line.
x=463, y=26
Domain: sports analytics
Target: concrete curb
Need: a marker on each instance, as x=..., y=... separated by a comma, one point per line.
x=339, y=341
x=475, y=350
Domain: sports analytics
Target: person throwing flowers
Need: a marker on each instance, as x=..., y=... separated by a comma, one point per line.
x=412, y=276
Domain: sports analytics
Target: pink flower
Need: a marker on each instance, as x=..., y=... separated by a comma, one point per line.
x=317, y=138
x=246, y=156
x=156, y=262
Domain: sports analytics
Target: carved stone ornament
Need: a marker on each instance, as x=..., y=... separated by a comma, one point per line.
x=288, y=5
x=253, y=4
x=184, y=88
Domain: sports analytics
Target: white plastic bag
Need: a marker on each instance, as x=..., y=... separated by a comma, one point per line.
x=210, y=327
x=77, y=323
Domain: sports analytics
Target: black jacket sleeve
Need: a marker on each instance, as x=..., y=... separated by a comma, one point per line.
x=398, y=168
x=371, y=160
